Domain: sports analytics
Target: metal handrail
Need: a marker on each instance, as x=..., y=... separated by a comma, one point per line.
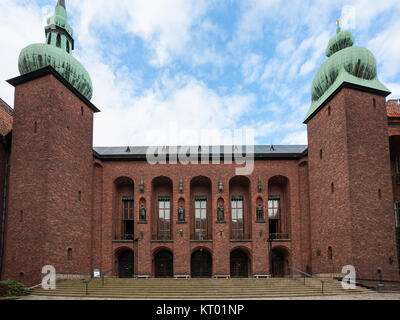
x=307, y=275
x=103, y=274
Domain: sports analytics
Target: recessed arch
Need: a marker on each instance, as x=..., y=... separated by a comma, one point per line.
x=239, y=262
x=162, y=208
x=163, y=263
x=280, y=261
x=201, y=263
x=123, y=212
x=240, y=208
x=201, y=208
x=124, y=261
x=279, y=207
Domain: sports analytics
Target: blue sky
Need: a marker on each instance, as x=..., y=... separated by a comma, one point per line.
x=163, y=70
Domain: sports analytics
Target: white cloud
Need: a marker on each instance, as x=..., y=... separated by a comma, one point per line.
x=386, y=46
x=164, y=25
x=21, y=24
x=296, y=137
x=252, y=68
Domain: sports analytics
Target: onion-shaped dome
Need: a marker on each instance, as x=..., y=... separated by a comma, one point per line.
x=345, y=63
x=57, y=53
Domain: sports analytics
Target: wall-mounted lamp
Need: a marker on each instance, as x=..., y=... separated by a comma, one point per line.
x=181, y=233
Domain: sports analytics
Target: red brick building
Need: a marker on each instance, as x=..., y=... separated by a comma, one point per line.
x=315, y=208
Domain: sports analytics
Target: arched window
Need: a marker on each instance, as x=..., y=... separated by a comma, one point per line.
x=49, y=38
x=58, y=43
x=330, y=253
x=332, y=187
x=69, y=254
x=68, y=46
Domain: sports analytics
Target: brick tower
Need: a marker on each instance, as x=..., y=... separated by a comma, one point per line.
x=51, y=166
x=352, y=221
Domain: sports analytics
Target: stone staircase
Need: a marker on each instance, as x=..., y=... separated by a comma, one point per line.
x=197, y=289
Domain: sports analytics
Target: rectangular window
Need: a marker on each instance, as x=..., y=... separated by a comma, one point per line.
x=237, y=218
x=164, y=218
x=274, y=207
x=397, y=212
x=396, y=165
x=127, y=218
x=200, y=221
x=274, y=215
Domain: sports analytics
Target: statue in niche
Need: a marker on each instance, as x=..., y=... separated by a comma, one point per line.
x=220, y=213
x=181, y=213
x=142, y=212
x=260, y=213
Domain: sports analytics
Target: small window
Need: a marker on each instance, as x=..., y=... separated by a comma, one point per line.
x=329, y=110
x=332, y=187
x=397, y=214
x=21, y=217
x=49, y=38
x=330, y=253
x=69, y=254
x=82, y=111
x=58, y=43
x=35, y=127
x=374, y=103
x=380, y=194
x=80, y=195
x=68, y=47
x=321, y=153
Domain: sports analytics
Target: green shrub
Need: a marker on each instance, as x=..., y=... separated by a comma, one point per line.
x=10, y=288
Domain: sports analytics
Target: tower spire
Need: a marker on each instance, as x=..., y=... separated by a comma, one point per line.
x=338, y=29
x=61, y=3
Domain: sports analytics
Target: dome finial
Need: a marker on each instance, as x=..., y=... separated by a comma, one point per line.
x=61, y=3
x=338, y=29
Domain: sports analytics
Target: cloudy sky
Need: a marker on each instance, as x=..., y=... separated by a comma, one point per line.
x=165, y=69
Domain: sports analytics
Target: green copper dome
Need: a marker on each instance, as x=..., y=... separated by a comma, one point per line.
x=57, y=53
x=345, y=63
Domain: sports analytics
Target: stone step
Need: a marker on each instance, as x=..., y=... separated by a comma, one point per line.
x=173, y=289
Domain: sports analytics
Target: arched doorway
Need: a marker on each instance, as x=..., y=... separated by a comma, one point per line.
x=239, y=264
x=125, y=264
x=279, y=263
x=201, y=264
x=163, y=264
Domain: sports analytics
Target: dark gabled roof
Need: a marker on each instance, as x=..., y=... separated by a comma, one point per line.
x=261, y=152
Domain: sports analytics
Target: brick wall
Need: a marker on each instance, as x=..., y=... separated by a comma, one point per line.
x=352, y=215
x=51, y=162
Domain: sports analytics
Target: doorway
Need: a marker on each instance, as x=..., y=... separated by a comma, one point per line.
x=201, y=264
x=278, y=264
x=125, y=264
x=163, y=264
x=239, y=264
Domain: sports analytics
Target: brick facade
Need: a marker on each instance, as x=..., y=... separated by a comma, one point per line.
x=63, y=196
